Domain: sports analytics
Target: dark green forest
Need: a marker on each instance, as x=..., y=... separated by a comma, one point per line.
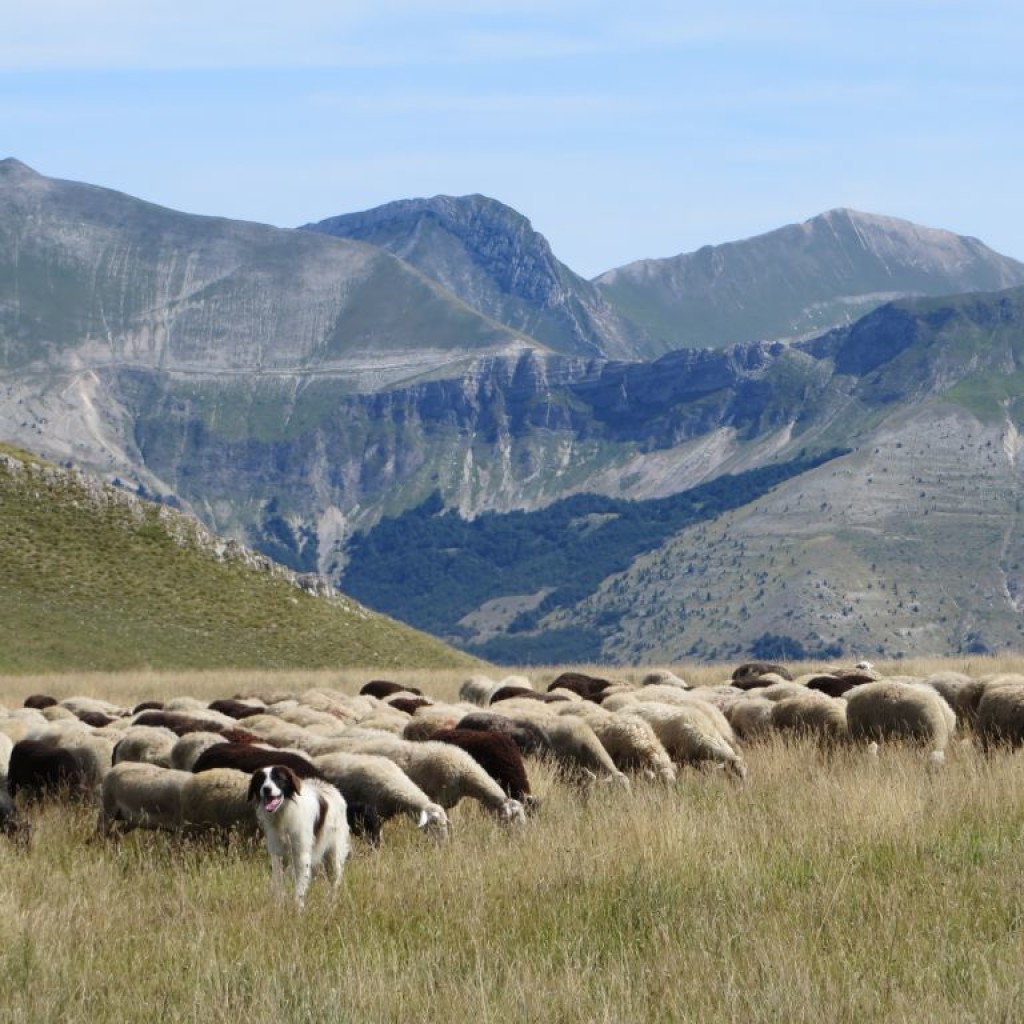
x=429, y=567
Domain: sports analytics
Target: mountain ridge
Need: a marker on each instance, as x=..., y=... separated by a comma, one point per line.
x=846, y=263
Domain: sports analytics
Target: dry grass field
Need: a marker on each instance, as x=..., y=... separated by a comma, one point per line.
x=827, y=887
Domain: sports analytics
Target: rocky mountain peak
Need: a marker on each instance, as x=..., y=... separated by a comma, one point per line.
x=490, y=257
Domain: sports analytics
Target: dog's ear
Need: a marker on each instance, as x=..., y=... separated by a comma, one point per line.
x=254, y=784
x=294, y=783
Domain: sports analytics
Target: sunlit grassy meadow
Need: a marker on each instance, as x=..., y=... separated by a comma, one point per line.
x=829, y=887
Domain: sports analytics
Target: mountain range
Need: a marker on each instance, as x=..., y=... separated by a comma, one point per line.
x=297, y=388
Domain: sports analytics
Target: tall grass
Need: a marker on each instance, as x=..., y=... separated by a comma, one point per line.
x=829, y=887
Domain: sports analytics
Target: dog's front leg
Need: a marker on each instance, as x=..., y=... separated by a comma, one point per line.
x=302, y=868
x=277, y=874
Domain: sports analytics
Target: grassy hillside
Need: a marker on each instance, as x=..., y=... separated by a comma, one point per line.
x=91, y=578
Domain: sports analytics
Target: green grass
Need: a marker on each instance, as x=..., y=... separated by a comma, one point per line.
x=826, y=889
x=93, y=580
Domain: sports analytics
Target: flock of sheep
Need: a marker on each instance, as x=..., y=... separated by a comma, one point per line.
x=185, y=764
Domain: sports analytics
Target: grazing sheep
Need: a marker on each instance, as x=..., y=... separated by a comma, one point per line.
x=630, y=741
x=237, y=709
x=181, y=723
x=690, y=735
x=78, y=705
x=722, y=697
x=376, y=782
x=306, y=717
x=664, y=677
x=279, y=733
x=890, y=709
x=147, y=743
x=385, y=720
x=17, y=727
x=750, y=717
x=218, y=799
x=525, y=733
x=343, y=706
x=498, y=756
x=477, y=690
x=446, y=774
x=137, y=794
x=813, y=714
x=834, y=686
x=38, y=701
x=512, y=692
x=659, y=693
x=408, y=705
x=587, y=687
x=426, y=721
x=93, y=751
x=189, y=747
x=42, y=767
x=962, y=693
x=246, y=758
x=781, y=690
x=382, y=688
x=1000, y=715
x=578, y=752
x=754, y=669
x=57, y=713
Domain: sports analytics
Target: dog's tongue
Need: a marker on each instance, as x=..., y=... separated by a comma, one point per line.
x=272, y=803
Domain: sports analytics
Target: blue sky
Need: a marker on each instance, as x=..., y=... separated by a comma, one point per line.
x=621, y=131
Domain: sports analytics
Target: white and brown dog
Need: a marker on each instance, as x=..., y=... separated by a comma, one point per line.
x=304, y=822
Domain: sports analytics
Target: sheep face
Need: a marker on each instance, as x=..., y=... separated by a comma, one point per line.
x=433, y=822
x=512, y=812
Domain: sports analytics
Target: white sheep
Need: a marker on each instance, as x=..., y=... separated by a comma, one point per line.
x=151, y=744
x=1000, y=715
x=279, y=733
x=894, y=709
x=722, y=695
x=345, y=707
x=690, y=734
x=374, y=781
x=630, y=741
x=478, y=690
x=446, y=774
x=86, y=705
x=664, y=677
x=962, y=693
x=190, y=746
x=306, y=717
x=811, y=713
x=93, y=752
x=137, y=794
x=569, y=740
x=427, y=720
x=218, y=799
x=750, y=716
